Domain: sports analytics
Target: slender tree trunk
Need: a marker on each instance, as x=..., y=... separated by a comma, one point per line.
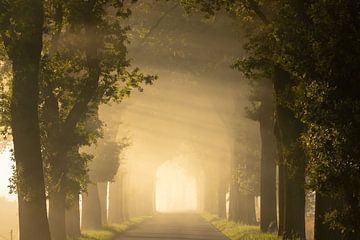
x=24, y=49
x=222, y=197
x=234, y=202
x=210, y=196
x=281, y=197
x=268, y=214
x=125, y=196
x=102, y=187
x=116, y=201
x=324, y=204
x=57, y=208
x=91, y=211
x=72, y=217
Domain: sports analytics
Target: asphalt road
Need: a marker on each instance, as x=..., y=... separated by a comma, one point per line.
x=176, y=226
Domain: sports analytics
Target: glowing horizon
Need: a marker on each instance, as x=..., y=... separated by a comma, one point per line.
x=175, y=189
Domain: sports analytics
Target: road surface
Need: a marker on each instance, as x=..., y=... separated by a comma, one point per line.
x=175, y=226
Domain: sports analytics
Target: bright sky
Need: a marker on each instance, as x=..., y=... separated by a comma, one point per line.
x=5, y=174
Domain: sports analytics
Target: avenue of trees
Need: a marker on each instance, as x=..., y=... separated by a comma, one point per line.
x=62, y=60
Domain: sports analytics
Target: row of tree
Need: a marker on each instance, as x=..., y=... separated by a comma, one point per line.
x=302, y=59
x=60, y=60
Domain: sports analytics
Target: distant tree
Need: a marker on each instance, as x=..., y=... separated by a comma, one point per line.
x=102, y=169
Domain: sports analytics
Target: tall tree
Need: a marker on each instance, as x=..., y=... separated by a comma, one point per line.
x=85, y=65
x=21, y=26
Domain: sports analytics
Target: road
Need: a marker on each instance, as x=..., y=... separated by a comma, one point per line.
x=175, y=226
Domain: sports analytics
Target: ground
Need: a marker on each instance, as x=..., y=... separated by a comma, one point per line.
x=174, y=226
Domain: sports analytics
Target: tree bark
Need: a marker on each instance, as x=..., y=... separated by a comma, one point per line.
x=294, y=205
x=221, y=194
x=72, y=217
x=125, y=196
x=289, y=130
x=268, y=213
x=281, y=197
x=26, y=138
x=234, y=202
x=102, y=188
x=324, y=204
x=116, y=201
x=23, y=43
x=57, y=207
x=247, y=209
x=91, y=211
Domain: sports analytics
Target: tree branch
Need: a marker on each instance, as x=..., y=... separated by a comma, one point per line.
x=157, y=23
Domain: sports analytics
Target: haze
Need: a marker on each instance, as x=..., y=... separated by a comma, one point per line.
x=179, y=120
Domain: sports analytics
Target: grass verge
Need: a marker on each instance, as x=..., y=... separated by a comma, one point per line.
x=111, y=231
x=237, y=231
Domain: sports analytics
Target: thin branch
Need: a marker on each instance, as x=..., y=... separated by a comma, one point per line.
x=157, y=23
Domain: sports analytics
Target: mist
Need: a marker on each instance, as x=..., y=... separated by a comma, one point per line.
x=178, y=119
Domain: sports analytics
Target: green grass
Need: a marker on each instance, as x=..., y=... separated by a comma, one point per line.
x=109, y=232
x=237, y=231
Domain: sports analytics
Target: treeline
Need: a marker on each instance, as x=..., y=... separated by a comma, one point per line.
x=302, y=61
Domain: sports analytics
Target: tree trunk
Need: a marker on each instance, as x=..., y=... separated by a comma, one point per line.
x=294, y=205
x=281, y=197
x=72, y=217
x=57, y=208
x=125, y=196
x=210, y=196
x=323, y=204
x=33, y=223
x=247, y=209
x=268, y=214
x=289, y=130
x=221, y=194
x=116, y=201
x=24, y=49
x=102, y=187
x=234, y=202
x=91, y=212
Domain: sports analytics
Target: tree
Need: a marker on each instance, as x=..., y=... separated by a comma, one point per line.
x=263, y=110
x=84, y=65
x=21, y=26
x=102, y=169
x=318, y=102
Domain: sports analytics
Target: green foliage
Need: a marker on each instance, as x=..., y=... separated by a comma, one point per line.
x=5, y=92
x=106, y=156
x=237, y=231
x=84, y=65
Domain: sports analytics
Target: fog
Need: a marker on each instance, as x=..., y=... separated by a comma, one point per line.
x=187, y=127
